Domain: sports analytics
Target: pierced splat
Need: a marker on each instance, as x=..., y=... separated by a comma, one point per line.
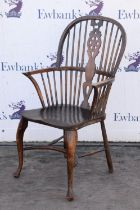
x=93, y=44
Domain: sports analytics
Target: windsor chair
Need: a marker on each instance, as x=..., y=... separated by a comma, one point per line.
x=74, y=92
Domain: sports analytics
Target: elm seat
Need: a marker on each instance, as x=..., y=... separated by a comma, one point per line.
x=75, y=90
x=63, y=117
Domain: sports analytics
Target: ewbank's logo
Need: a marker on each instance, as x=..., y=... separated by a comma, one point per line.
x=133, y=14
x=53, y=57
x=126, y=117
x=17, y=109
x=96, y=7
x=15, y=8
x=134, y=62
x=20, y=106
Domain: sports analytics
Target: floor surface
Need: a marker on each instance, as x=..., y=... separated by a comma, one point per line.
x=42, y=184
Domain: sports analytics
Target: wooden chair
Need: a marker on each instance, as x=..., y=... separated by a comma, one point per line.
x=74, y=92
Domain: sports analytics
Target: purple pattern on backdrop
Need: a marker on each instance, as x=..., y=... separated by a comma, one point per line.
x=98, y=4
x=134, y=66
x=14, y=12
x=20, y=106
x=53, y=57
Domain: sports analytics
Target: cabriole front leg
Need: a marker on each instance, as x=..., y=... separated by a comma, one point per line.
x=19, y=140
x=70, y=143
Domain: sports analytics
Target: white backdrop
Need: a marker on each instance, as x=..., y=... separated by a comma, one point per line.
x=29, y=35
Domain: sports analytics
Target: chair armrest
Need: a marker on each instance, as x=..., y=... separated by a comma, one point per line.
x=30, y=75
x=49, y=69
x=100, y=99
x=103, y=83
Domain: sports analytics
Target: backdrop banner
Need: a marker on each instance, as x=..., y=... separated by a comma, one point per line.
x=29, y=36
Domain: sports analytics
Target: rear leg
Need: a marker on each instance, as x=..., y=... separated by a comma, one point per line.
x=106, y=146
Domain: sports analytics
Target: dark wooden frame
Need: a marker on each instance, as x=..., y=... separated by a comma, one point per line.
x=86, y=113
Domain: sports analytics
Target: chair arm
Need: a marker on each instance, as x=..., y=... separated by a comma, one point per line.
x=40, y=72
x=103, y=83
x=97, y=94
x=49, y=69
